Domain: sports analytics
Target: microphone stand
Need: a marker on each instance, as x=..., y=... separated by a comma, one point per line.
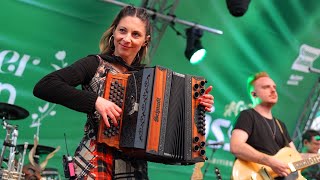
x=213, y=151
x=207, y=165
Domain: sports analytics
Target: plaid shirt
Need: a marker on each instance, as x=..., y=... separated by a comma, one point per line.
x=94, y=160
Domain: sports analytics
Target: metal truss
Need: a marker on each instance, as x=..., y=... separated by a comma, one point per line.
x=308, y=114
x=164, y=7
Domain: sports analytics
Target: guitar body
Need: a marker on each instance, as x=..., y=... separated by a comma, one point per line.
x=244, y=170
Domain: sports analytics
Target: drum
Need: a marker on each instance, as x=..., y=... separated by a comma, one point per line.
x=50, y=174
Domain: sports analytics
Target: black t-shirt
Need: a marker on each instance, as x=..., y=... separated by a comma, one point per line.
x=260, y=133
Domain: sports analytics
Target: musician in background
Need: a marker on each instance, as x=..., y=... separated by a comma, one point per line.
x=123, y=46
x=257, y=135
x=311, y=144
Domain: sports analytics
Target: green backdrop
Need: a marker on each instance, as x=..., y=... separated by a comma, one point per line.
x=280, y=37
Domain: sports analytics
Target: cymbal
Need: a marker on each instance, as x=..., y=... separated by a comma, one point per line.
x=12, y=112
x=41, y=149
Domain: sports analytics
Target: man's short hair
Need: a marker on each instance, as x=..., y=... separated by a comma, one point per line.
x=309, y=134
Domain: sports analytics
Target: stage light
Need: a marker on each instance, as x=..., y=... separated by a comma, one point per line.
x=194, y=51
x=238, y=7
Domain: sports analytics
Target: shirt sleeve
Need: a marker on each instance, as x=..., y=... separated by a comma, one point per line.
x=244, y=122
x=60, y=86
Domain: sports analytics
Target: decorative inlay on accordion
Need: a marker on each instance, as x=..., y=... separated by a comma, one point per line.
x=162, y=120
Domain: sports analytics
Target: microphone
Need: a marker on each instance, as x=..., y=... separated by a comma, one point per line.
x=216, y=144
x=238, y=7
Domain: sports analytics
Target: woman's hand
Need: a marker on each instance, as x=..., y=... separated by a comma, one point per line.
x=207, y=99
x=107, y=109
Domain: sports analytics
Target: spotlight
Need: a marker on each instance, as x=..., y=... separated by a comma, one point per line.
x=194, y=51
x=238, y=7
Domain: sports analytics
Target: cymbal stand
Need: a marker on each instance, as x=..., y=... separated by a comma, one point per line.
x=21, y=160
x=13, y=149
x=9, y=143
x=6, y=140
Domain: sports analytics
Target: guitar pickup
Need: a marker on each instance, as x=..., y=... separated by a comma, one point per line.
x=264, y=174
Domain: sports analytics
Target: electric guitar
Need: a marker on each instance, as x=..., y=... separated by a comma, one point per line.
x=245, y=170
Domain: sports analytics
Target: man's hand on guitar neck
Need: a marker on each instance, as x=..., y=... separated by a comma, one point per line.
x=282, y=169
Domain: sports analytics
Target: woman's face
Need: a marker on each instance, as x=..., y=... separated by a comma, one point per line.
x=129, y=37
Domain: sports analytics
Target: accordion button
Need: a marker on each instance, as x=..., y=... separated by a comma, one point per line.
x=202, y=144
x=202, y=83
x=202, y=91
x=196, y=148
x=196, y=139
x=202, y=152
x=195, y=86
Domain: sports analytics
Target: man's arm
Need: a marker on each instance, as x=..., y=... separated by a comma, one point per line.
x=244, y=151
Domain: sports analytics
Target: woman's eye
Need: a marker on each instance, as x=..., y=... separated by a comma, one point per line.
x=136, y=34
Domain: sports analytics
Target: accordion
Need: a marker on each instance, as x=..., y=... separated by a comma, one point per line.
x=162, y=120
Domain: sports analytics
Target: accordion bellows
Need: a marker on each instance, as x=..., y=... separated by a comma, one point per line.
x=162, y=120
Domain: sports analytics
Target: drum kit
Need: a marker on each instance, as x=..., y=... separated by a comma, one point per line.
x=11, y=167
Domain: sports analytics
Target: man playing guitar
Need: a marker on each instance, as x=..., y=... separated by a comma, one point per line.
x=258, y=136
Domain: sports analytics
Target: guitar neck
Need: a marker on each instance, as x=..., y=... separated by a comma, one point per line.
x=306, y=162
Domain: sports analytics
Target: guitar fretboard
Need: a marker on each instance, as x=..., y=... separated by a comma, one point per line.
x=306, y=162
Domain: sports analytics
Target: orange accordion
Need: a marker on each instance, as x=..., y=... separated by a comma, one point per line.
x=162, y=120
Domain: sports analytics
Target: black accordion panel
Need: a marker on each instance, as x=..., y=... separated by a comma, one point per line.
x=162, y=119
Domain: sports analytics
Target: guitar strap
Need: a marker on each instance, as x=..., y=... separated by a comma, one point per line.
x=285, y=138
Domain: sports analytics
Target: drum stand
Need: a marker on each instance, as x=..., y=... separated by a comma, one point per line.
x=9, y=141
x=11, y=112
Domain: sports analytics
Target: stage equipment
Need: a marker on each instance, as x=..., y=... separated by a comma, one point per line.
x=214, y=147
x=34, y=170
x=218, y=174
x=12, y=112
x=50, y=174
x=14, y=168
x=40, y=150
x=215, y=144
x=309, y=112
x=162, y=120
x=238, y=7
x=67, y=162
x=194, y=51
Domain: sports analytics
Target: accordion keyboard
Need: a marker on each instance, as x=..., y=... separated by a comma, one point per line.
x=115, y=88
